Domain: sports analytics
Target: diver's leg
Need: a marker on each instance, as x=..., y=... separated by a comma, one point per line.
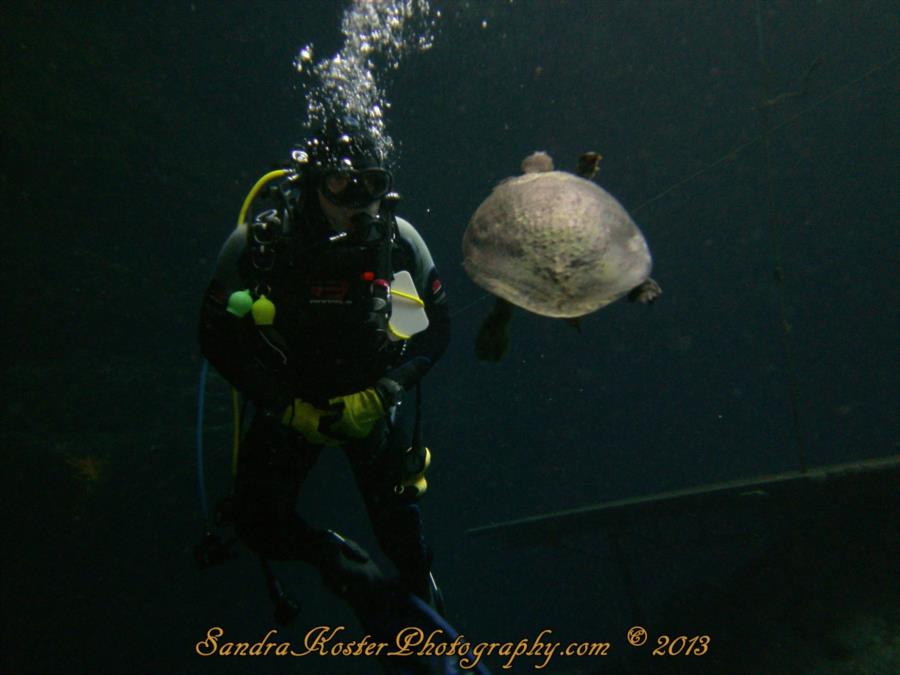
x=397, y=522
x=273, y=463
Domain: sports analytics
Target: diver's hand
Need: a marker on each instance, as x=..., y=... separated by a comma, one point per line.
x=306, y=419
x=350, y=416
x=360, y=412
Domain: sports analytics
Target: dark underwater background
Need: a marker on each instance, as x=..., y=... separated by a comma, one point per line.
x=131, y=133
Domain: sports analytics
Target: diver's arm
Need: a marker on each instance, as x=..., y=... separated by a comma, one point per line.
x=425, y=348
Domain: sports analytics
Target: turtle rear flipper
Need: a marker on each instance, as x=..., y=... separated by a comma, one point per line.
x=645, y=293
x=493, y=336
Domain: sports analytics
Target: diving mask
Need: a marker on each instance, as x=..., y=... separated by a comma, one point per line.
x=355, y=188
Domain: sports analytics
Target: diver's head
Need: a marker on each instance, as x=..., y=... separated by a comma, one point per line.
x=342, y=164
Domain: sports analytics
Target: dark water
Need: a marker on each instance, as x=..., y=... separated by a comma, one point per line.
x=131, y=134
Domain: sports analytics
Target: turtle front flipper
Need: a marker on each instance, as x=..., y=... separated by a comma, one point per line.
x=588, y=165
x=493, y=336
x=645, y=293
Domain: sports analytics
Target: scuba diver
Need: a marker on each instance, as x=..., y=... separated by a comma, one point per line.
x=308, y=317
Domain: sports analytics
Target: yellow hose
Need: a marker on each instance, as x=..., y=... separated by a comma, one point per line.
x=272, y=175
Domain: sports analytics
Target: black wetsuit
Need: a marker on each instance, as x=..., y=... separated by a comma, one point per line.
x=330, y=352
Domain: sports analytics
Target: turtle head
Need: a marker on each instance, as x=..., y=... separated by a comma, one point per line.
x=537, y=162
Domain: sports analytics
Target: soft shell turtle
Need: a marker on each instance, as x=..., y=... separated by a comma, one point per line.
x=555, y=244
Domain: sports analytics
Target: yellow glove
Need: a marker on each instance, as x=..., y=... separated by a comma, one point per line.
x=361, y=412
x=306, y=418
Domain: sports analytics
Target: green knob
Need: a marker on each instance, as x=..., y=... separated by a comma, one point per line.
x=239, y=303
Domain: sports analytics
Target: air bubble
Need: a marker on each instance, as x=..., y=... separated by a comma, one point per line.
x=377, y=36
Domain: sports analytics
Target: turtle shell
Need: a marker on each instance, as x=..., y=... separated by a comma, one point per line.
x=554, y=244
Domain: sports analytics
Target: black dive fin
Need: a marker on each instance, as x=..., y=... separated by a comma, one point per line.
x=386, y=610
